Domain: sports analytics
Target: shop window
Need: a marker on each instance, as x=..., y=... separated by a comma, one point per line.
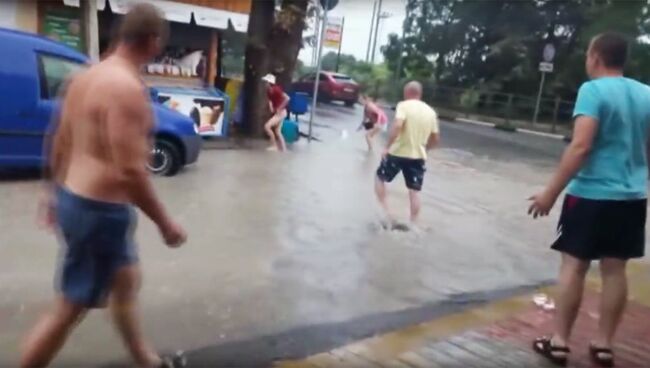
x=61, y=24
x=233, y=50
x=54, y=72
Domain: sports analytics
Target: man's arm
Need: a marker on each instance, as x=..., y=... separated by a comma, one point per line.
x=434, y=137
x=433, y=141
x=395, y=130
x=128, y=124
x=574, y=156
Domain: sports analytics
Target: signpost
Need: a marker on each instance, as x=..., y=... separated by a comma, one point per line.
x=546, y=66
x=333, y=32
x=326, y=8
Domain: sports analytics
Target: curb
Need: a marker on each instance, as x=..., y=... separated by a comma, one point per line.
x=511, y=321
x=516, y=130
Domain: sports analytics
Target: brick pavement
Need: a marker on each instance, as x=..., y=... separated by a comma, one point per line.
x=498, y=334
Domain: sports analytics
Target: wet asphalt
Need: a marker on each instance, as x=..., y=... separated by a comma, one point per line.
x=286, y=255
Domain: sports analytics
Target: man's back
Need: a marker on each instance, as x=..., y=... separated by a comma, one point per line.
x=420, y=120
x=83, y=142
x=617, y=167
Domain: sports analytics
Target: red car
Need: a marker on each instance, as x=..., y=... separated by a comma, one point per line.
x=333, y=87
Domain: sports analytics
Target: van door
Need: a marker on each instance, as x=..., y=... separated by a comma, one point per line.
x=54, y=72
x=31, y=126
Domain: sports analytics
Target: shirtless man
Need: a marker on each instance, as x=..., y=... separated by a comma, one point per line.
x=97, y=165
x=374, y=119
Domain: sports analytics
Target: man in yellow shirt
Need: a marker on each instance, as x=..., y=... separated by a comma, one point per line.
x=414, y=132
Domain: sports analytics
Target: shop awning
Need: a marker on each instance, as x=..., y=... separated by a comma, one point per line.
x=175, y=12
x=101, y=4
x=180, y=12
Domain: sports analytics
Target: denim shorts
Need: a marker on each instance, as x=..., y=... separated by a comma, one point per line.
x=97, y=239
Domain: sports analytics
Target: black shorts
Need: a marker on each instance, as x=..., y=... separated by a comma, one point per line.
x=595, y=229
x=412, y=169
x=368, y=125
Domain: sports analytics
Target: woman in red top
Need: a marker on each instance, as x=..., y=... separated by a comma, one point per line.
x=278, y=101
x=374, y=119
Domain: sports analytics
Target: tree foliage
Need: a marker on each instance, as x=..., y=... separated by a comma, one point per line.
x=498, y=44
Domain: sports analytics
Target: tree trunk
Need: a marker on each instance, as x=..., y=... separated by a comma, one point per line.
x=286, y=40
x=256, y=65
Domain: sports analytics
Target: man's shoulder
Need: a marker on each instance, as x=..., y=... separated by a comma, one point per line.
x=589, y=85
x=642, y=88
x=426, y=107
x=115, y=78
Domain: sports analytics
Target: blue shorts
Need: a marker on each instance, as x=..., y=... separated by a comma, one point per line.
x=97, y=240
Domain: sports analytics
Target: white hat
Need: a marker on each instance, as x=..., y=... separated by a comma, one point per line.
x=269, y=78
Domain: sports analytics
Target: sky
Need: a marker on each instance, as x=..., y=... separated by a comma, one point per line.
x=358, y=14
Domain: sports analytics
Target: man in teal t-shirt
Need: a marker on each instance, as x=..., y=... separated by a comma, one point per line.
x=605, y=172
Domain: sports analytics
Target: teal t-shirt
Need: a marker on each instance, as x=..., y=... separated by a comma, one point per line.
x=617, y=166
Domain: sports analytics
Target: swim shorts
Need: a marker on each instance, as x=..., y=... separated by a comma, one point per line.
x=97, y=240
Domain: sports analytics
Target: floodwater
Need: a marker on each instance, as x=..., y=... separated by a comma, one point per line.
x=290, y=246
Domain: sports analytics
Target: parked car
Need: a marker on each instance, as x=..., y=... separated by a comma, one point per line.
x=32, y=70
x=332, y=86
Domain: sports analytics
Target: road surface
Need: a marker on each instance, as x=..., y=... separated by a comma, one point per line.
x=286, y=257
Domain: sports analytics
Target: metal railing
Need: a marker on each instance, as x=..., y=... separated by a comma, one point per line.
x=555, y=114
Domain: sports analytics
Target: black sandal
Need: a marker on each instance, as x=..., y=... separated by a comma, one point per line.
x=597, y=353
x=544, y=347
x=176, y=360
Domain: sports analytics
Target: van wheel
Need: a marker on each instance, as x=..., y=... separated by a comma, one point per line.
x=350, y=103
x=165, y=159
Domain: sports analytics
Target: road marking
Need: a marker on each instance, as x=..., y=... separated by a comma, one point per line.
x=476, y=122
x=542, y=134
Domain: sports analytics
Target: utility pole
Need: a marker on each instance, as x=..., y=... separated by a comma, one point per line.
x=398, y=70
x=374, y=43
x=318, y=69
x=317, y=30
x=90, y=28
x=372, y=27
x=338, y=55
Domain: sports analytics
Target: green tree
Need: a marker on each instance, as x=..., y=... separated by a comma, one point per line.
x=329, y=60
x=497, y=45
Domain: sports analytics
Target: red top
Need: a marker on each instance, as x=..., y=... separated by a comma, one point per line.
x=276, y=96
x=375, y=114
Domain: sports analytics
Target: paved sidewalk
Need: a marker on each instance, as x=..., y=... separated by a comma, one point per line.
x=498, y=334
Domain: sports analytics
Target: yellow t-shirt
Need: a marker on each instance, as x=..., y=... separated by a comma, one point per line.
x=420, y=121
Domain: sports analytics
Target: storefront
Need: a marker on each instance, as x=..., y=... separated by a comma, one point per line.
x=19, y=14
x=189, y=69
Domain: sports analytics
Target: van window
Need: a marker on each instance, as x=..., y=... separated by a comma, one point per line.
x=54, y=71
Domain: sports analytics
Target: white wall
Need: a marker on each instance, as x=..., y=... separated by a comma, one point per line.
x=8, y=13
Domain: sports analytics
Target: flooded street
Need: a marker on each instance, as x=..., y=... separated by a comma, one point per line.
x=286, y=256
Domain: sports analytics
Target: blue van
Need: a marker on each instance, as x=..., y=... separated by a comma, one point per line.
x=32, y=69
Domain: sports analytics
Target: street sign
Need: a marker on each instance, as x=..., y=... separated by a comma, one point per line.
x=546, y=67
x=549, y=53
x=333, y=32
